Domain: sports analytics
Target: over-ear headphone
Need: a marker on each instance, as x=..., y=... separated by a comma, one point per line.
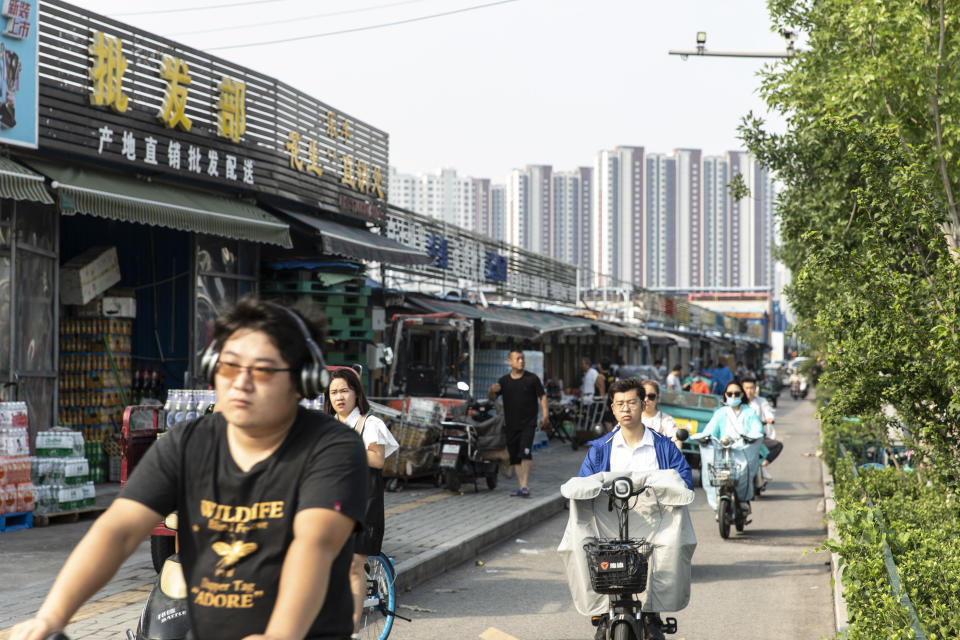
x=313, y=378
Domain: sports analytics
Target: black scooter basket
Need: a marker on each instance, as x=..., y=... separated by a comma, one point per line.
x=618, y=566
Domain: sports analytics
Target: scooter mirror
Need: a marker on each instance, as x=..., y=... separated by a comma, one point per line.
x=682, y=435
x=463, y=386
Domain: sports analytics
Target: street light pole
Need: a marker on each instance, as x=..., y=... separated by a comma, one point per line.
x=701, y=49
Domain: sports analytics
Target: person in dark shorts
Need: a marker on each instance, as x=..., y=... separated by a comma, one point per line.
x=268, y=495
x=523, y=395
x=346, y=401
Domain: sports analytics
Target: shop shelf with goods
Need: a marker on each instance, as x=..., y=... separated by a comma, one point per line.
x=95, y=374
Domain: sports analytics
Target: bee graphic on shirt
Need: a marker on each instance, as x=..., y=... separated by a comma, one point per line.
x=230, y=554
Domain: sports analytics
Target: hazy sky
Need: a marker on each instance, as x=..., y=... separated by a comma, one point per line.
x=490, y=89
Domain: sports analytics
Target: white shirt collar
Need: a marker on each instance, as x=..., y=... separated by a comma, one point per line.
x=352, y=419
x=646, y=441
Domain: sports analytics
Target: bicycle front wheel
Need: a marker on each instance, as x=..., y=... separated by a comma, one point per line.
x=376, y=620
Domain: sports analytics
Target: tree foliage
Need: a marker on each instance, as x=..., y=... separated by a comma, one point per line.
x=868, y=211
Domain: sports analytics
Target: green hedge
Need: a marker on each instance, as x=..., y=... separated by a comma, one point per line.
x=920, y=522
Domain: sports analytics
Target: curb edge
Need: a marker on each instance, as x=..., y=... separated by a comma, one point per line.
x=430, y=564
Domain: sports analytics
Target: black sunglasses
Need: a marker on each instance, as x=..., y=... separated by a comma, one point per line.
x=734, y=394
x=651, y=396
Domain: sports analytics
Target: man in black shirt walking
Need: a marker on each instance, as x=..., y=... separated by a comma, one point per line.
x=267, y=495
x=522, y=392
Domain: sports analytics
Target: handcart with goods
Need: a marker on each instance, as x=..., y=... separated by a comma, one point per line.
x=416, y=426
x=589, y=423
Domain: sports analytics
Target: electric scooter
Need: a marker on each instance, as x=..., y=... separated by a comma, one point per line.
x=461, y=451
x=164, y=616
x=730, y=467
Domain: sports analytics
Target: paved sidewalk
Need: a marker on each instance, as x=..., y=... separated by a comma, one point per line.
x=428, y=531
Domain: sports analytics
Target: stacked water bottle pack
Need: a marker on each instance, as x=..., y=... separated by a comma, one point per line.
x=187, y=404
x=61, y=473
x=16, y=491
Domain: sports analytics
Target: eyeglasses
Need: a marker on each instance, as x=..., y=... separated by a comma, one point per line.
x=734, y=394
x=231, y=370
x=651, y=396
x=633, y=404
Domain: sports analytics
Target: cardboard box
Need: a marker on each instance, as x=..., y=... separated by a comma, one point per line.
x=88, y=275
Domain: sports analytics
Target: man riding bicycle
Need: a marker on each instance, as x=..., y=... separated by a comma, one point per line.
x=267, y=494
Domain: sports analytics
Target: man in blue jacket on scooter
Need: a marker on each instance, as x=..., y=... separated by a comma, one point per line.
x=633, y=447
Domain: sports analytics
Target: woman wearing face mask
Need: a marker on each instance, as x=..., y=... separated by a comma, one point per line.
x=652, y=417
x=735, y=418
x=345, y=400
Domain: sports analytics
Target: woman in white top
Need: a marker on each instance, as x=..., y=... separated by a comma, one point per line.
x=345, y=399
x=652, y=417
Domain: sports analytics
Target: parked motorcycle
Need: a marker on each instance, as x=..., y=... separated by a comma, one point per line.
x=465, y=440
x=730, y=467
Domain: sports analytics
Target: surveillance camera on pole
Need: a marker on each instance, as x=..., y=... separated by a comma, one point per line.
x=701, y=50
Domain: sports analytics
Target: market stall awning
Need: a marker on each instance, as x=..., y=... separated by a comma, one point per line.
x=117, y=197
x=521, y=323
x=360, y=244
x=665, y=336
x=19, y=183
x=494, y=320
x=617, y=330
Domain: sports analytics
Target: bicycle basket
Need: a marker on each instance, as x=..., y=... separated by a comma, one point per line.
x=618, y=566
x=720, y=473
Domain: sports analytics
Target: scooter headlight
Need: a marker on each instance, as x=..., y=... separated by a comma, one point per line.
x=622, y=488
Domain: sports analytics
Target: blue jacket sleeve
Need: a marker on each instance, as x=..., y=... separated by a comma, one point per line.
x=588, y=468
x=678, y=462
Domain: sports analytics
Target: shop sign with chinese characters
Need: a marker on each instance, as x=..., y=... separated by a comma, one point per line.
x=18, y=73
x=164, y=108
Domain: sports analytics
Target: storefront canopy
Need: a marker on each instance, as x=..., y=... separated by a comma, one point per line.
x=118, y=197
x=519, y=323
x=19, y=183
x=617, y=330
x=665, y=336
x=360, y=244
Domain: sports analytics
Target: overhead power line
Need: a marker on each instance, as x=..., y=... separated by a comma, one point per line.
x=154, y=12
x=356, y=29
x=297, y=19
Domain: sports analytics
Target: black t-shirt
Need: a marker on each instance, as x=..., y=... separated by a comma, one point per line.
x=521, y=400
x=235, y=527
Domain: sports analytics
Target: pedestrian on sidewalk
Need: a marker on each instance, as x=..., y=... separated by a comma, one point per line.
x=347, y=402
x=268, y=494
x=673, y=380
x=588, y=388
x=522, y=392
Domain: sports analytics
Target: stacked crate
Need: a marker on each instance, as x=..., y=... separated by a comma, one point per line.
x=346, y=305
